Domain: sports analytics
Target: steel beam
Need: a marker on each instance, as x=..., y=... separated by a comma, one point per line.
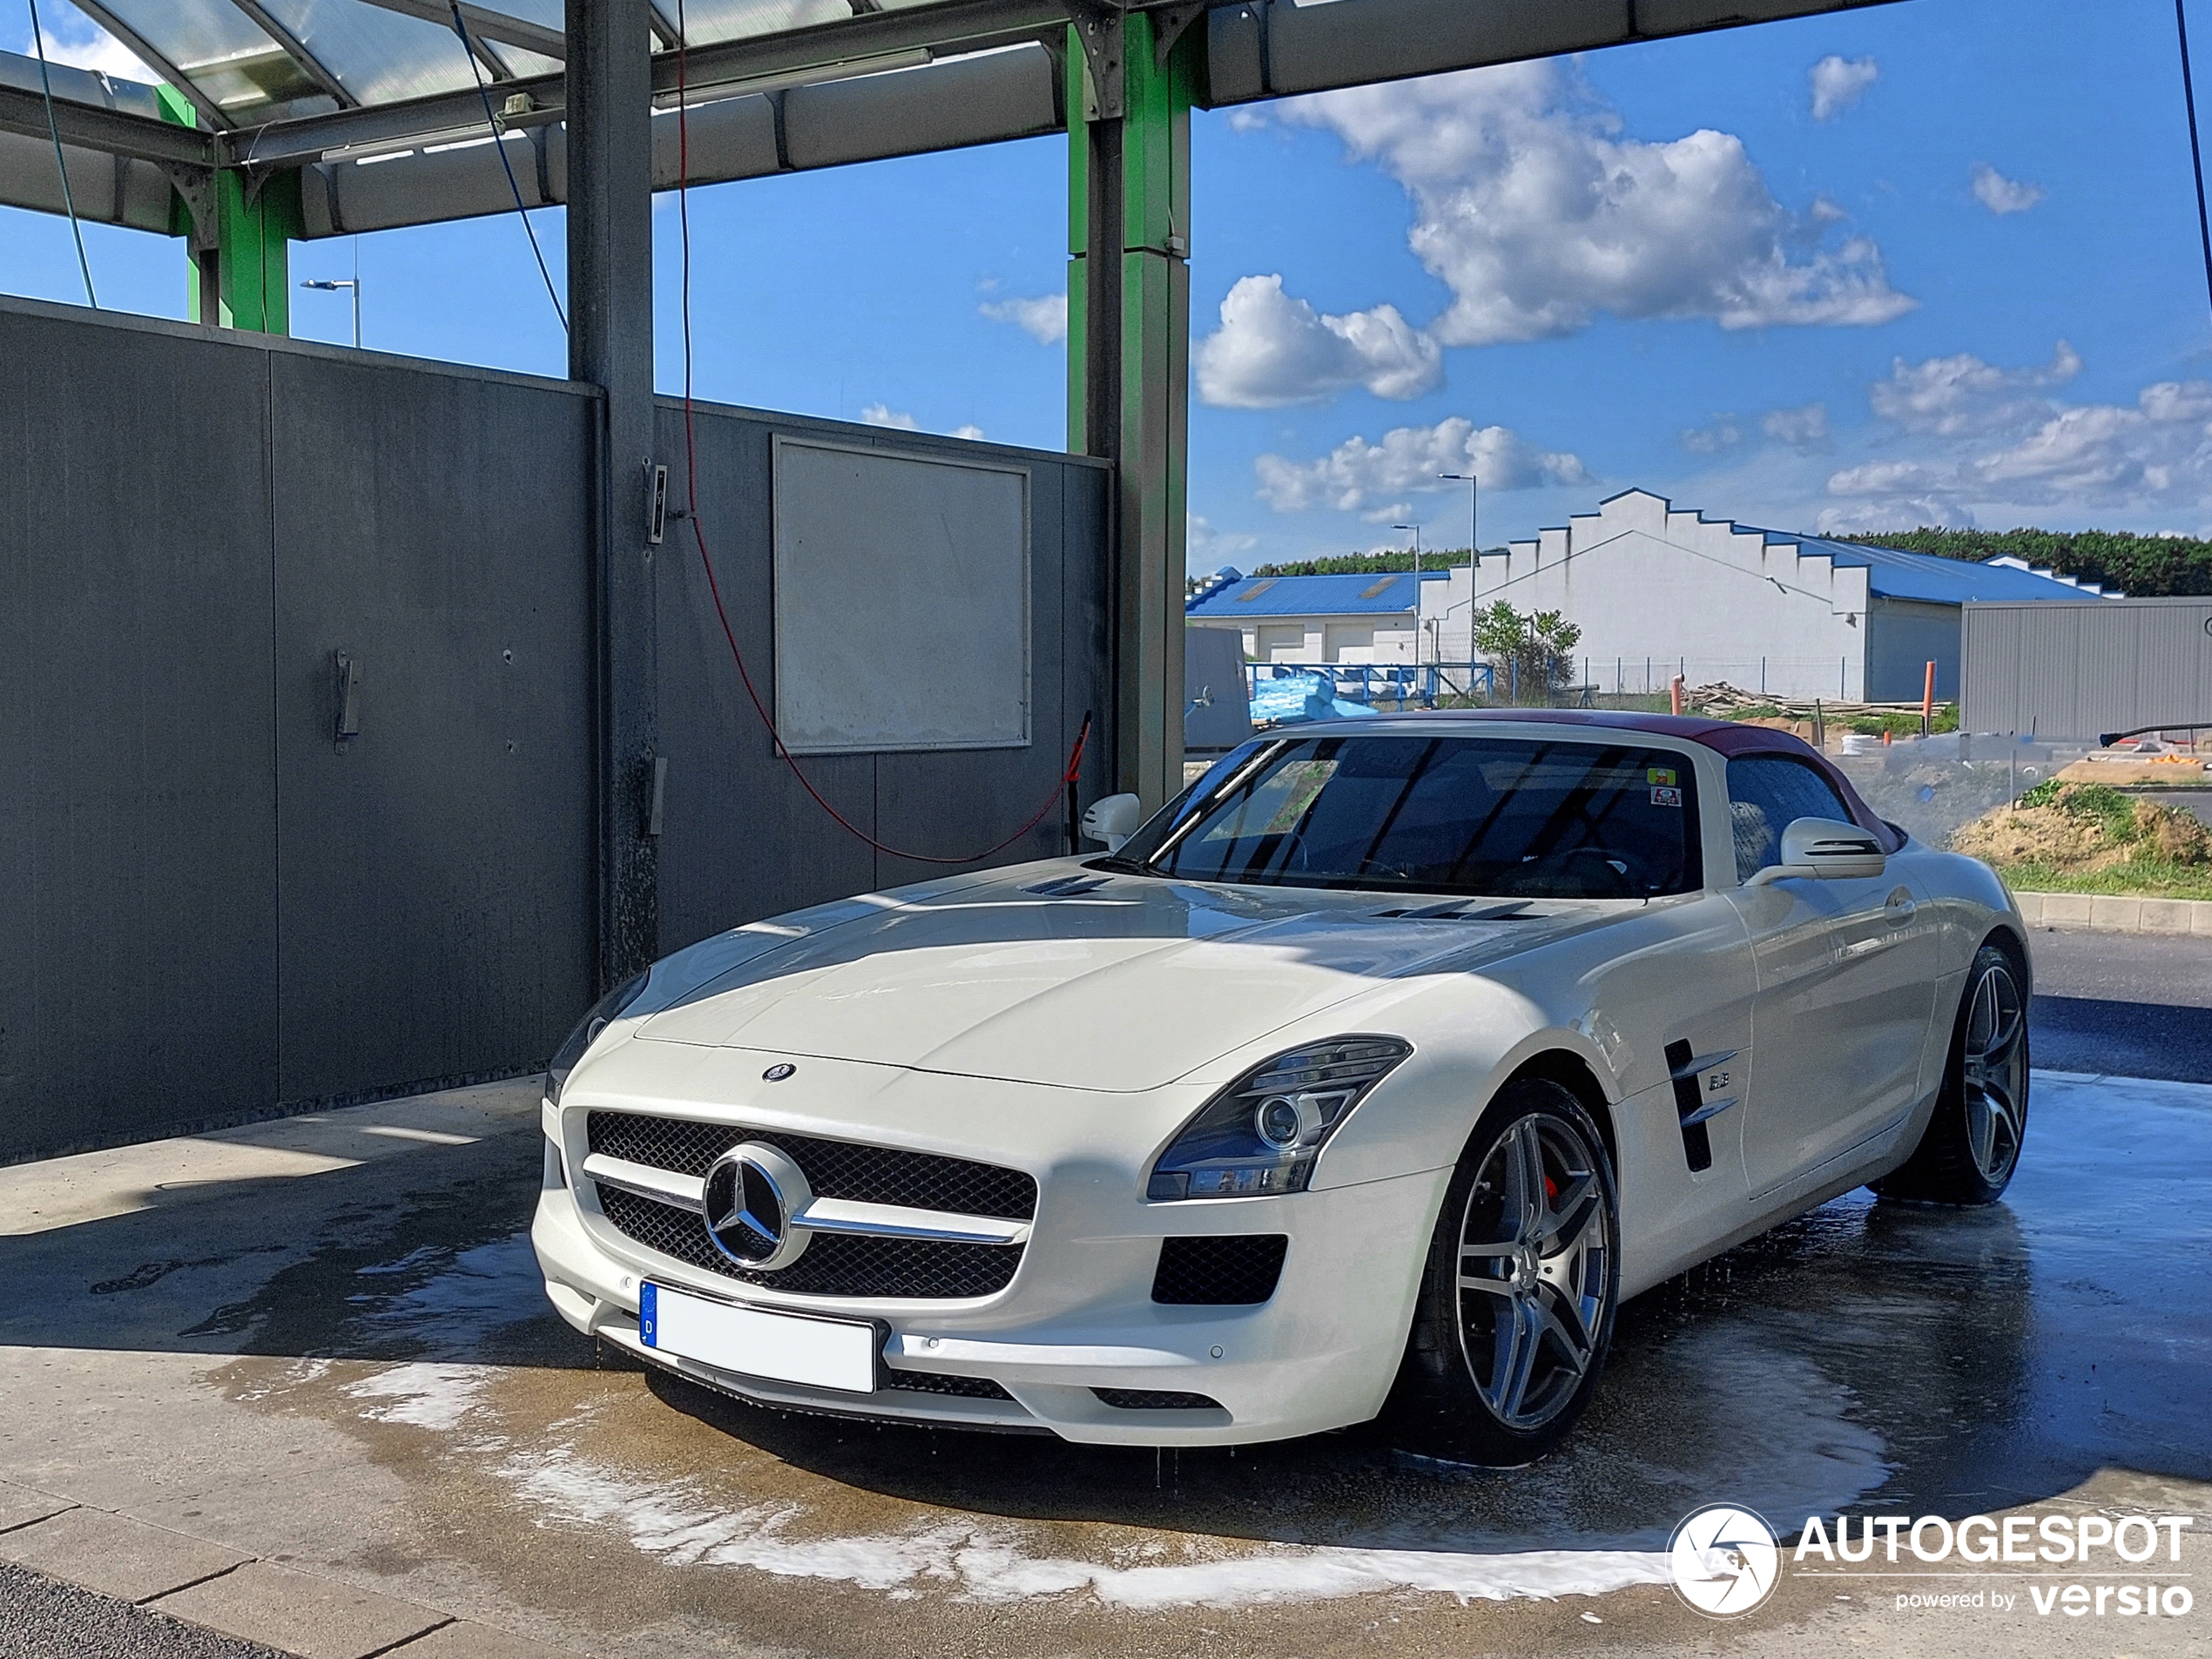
x=610, y=345
x=1129, y=345
x=950, y=26
x=87, y=126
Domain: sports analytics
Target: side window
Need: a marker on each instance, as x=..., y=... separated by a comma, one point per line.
x=1765, y=794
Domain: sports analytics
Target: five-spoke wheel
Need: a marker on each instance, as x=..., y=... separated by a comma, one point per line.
x=1968, y=1152
x=1516, y=1309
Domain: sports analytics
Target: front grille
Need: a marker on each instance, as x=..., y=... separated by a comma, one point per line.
x=1237, y=1269
x=1156, y=1399
x=834, y=1264
x=833, y=1169
x=937, y=1382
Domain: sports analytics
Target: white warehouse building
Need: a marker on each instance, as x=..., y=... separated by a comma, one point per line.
x=1659, y=592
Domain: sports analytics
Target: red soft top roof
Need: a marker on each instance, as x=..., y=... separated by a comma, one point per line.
x=1730, y=738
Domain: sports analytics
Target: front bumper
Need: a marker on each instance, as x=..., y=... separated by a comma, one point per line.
x=1078, y=1315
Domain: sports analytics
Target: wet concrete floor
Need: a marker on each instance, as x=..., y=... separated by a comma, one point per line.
x=347, y=1365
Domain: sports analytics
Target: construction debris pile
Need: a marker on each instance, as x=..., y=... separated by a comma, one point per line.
x=1725, y=702
x=2079, y=829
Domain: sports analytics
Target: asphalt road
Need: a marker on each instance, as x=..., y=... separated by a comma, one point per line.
x=2128, y=1005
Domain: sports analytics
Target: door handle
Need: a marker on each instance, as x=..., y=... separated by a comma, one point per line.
x=1900, y=907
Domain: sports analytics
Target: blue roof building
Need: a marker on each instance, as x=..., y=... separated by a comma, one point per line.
x=1376, y=618
x=1660, y=592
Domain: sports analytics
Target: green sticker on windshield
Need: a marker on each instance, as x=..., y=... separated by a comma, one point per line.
x=1662, y=777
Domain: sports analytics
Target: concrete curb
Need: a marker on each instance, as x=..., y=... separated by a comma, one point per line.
x=2098, y=913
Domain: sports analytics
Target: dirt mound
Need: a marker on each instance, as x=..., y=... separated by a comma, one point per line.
x=2084, y=827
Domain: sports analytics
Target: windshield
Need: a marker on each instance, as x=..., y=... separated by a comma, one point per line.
x=1490, y=816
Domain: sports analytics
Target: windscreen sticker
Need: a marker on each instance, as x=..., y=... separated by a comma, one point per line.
x=1662, y=777
x=1666, y=798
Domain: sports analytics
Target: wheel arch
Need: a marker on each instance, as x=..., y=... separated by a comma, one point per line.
x=1572, y=1072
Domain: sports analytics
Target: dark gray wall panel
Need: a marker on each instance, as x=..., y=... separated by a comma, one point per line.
x=220, y=911
x=740, y=838
x=436, y=886
x=137, y=926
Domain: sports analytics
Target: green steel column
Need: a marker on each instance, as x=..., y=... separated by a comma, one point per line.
x=1129, y=352
x=242, y=270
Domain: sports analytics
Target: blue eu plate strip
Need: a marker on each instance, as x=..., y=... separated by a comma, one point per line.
x=648, y=1313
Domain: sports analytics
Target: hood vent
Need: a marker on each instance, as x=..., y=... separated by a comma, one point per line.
x=1456, y=910
x=1068, y=887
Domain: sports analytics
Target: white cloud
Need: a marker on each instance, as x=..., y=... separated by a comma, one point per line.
x=1961, y=395
x=2002, y=195
x=1272, y=350
x=1840, y=82
x=1902, y=513
x=1993, y=443
x=1539, y=216
x=1043, y=319
x=1358, y=476
x=883, y=415
x=1721, y=432
x=1803, y=429
x=1201, y=541
x=76, y=40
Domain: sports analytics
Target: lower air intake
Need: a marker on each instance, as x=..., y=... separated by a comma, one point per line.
x=1156, y=1399
x=938, y=1382
x=1237, y=1269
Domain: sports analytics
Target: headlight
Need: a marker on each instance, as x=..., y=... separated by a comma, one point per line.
x=1262, y=1132
x=603, y=1013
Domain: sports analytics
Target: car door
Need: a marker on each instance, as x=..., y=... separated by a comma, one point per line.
x=1846, y=983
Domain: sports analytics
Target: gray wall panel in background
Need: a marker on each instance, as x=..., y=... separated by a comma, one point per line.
x=436, y=891
x=2076, y=670
x=137, y=920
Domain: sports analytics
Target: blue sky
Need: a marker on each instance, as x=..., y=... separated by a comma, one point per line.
x=1934, y=262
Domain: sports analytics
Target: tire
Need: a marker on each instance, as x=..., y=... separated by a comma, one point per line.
x=1968, y=1152
x=1499, y=1375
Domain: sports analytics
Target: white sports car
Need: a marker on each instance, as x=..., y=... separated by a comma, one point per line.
x=1366, y=1077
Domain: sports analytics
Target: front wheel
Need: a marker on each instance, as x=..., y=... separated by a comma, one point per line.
x=1516, y=1306
x=1972, y=1144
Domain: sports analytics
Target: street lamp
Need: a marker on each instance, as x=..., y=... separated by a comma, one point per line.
x=1417, y=547
x=1474, y=510
x=332, y=285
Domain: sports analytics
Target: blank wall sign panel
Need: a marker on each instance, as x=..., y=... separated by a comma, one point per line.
x=902, y=600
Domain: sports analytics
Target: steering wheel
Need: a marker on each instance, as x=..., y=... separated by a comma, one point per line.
x=1620, y=880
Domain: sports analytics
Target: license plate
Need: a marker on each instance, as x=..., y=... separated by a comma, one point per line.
x=780, y=1347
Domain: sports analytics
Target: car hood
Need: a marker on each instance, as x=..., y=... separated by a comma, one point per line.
x=1123, y=983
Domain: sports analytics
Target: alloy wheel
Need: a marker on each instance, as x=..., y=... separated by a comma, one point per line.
x=1995, y=1060
x=1534, y=1270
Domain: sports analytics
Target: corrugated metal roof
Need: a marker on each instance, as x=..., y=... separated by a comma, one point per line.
x=1891, y=573
x=1314, y=596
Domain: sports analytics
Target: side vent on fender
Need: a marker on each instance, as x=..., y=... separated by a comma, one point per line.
x=1685, y=1068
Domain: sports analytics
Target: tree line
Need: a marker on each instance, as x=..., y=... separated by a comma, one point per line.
x=2141, y=566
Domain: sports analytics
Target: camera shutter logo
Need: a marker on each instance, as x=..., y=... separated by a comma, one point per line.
x=1725, y=1561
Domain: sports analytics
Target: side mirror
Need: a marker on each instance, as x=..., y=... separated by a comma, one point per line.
x=1113, y=821
x=1823, y=849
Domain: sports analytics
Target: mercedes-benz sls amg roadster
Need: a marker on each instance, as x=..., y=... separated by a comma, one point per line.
x=1363, y=1080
